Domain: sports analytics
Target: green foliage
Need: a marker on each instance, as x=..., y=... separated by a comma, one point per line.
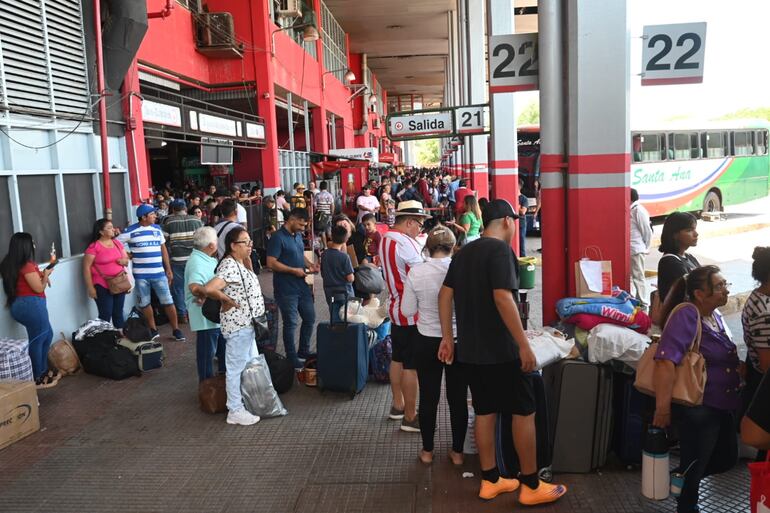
x=427, y=152
x=530, y=115
x=749, y=113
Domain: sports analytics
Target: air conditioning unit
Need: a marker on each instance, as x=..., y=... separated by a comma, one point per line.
x=290, y=9
x=216, y=29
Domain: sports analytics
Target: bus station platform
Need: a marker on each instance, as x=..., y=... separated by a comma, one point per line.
x=142, y=445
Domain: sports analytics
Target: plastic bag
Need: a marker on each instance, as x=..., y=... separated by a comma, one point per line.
x=610, y=342
x=259, y=396
x=549, y=345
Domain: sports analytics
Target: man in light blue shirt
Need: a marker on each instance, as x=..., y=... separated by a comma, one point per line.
x=200, y=269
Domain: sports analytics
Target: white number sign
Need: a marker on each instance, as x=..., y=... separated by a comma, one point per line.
x=673, y=54
x=513, y=63
x=472, y=120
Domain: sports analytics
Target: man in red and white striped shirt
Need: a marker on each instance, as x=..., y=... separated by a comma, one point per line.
x=399, y=251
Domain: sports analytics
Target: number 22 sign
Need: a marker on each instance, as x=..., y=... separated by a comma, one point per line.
x=513, y=63
x=673, y=54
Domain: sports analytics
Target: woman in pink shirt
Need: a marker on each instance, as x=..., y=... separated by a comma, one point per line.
x=104, y=258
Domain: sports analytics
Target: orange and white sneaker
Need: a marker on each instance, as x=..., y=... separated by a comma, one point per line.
x=543, y=494
x=490, y=490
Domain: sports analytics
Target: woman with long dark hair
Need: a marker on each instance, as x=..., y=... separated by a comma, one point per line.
x=679, y=235
x=105, y=258
x=238, y=289
x=24, y=285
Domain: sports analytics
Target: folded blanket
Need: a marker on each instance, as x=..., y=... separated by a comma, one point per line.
x=640, y=322
x=610, y=308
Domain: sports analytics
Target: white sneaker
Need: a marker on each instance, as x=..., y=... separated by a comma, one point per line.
x=242, y=418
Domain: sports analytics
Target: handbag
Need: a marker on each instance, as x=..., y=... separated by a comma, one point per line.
x=690, y=374
x=212, y=394
x=760, y=486
x=118, y=284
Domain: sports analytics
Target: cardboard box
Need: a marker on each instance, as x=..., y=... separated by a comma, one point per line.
x=18, y=411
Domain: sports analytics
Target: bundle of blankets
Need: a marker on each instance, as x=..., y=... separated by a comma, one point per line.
x=607, y=328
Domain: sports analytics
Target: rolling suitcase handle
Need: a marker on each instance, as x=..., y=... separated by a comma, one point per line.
x=343, y=323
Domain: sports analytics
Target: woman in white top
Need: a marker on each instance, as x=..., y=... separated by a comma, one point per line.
x=242, y=302
x=421, y=295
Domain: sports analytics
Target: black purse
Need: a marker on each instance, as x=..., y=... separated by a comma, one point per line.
x=211, y=309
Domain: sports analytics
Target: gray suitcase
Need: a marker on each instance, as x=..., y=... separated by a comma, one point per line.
x=579, y=398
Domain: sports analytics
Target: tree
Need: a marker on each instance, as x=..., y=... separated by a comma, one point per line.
x=749, y=113
x=530, y=115
x=427, y=152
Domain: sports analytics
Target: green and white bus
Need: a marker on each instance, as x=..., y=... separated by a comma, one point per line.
x=700, y=169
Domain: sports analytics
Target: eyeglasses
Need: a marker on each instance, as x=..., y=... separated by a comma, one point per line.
x=419, y=223
x=722, y=285
x=247, y=242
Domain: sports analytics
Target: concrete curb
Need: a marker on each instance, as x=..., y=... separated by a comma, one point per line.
x=722, y=231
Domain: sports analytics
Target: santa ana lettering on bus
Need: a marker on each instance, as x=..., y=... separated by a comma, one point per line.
x=642, y=176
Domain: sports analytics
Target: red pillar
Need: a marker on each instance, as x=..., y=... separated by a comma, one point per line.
x=320, y=135
x=262, y=27
x=554, y=237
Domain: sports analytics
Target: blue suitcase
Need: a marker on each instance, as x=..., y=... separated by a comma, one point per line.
x=343, y=356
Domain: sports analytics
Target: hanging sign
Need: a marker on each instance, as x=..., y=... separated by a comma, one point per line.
x=420, y=124
x=673, y=54
x=513, y=64
x=471, y=120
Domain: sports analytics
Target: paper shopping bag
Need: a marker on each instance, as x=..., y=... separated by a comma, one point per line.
x=760, y=486
x=593, y=278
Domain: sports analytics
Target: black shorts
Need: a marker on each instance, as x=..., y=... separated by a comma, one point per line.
x=404, y=342
x=500, y=388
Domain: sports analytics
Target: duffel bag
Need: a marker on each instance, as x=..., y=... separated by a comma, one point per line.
x=101, y=355
x=281, y=371
x=149, y=355
x=136, y=327
x=380, y=356
x=14, y=359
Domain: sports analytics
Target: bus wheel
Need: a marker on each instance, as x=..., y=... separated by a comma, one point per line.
x=712, y=203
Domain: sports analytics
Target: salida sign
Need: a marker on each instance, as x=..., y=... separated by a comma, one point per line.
x=418, y=125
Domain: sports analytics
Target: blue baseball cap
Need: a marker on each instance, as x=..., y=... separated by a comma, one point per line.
x=144, y=209
x=178, y=204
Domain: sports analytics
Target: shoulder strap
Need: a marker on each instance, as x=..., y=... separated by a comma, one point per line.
x=223, y=228
x=695, y=345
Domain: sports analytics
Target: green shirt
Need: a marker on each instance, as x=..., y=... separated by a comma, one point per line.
x=199, y=269
x=475, y=222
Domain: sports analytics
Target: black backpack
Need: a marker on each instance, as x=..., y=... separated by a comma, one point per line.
x=281, y=371
x=101, y=355
x=136, y=328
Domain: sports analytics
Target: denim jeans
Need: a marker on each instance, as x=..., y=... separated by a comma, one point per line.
x=293, y=306
x=709, y=443
x=209, y=343
x=241, y=349
x=522, y=236
x=32, y=313
x=177, y=288
x=110, y=307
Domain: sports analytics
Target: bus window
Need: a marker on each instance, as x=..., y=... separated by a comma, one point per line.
x=636, y=145
x=653, y=147
x=680, y=145
x=742, y=144
x=696, y=152
x=760, y=142
x=714, y=144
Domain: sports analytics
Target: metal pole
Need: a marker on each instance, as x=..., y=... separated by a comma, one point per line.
x=552, y=150
x=504, y=165
x=476, y=146
x=102, y=110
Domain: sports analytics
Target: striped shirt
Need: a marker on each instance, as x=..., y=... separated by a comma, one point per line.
x=398, y=253
x=145, y=243
x=179, y=228
x=756, y=325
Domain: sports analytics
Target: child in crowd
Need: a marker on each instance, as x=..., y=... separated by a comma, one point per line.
x=390, y=210
x=372, y=241
x=273, y=215
x=337, y=271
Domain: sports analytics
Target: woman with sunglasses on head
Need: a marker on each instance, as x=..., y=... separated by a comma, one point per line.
x=24, y=285
x=242, y=302
x=708, y=439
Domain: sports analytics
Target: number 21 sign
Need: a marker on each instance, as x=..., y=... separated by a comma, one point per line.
x=513, y=63
x=673, y=54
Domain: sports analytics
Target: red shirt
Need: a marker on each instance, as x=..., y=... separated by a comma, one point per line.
x=460, y=195
x=22, y=287
x=372, y=243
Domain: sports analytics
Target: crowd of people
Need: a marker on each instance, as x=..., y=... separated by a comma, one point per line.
x=425, y=234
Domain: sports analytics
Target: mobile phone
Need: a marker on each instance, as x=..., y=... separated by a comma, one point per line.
x=53, y=264
x=308, y=271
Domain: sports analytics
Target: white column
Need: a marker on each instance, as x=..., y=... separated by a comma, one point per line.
x=476, y=146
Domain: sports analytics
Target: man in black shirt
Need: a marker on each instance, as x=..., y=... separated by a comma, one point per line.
x=494, y=352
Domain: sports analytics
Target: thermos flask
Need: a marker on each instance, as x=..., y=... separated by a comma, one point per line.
x=655, y=471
